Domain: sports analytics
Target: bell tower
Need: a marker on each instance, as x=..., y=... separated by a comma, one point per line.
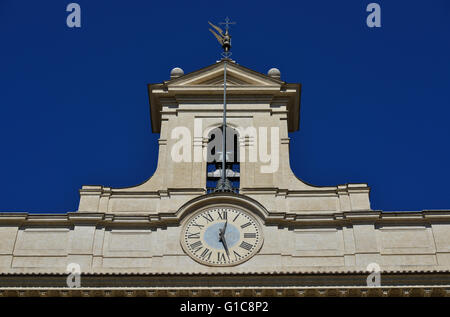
x=260, y=110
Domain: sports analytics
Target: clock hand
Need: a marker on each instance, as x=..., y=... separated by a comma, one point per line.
x=222, y=231
x=222, y=238
x=224, y=242
x=225, y=226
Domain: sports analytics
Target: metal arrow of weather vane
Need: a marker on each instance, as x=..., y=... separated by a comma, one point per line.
x=224, y=185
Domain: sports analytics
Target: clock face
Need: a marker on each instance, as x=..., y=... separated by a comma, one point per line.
x=221, y=236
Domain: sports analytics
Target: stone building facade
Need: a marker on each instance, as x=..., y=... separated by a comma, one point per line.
x=313, y=240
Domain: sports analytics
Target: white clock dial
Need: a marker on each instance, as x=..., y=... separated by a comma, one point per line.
x=221, y=236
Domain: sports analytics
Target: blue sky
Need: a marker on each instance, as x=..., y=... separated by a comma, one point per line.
x=74, y=105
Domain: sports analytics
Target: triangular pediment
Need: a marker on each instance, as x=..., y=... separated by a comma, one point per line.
x=206, y=85
x=214, y=76
x=231, y=80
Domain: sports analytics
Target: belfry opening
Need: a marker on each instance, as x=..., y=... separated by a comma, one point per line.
x=214, y=158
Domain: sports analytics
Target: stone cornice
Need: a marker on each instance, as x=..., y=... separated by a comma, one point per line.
x=268, y=284
x=311, y=271
x=274, y=218
x=388, y=291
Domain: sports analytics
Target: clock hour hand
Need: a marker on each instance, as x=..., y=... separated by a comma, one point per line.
x=224, y=242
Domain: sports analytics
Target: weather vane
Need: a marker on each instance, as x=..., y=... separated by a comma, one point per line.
x=223, y=38
x=224, y=184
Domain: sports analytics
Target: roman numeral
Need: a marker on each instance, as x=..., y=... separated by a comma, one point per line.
x=221, y=257
x=236, y=255
x=193, y=235
x=246, y=246
x=208, y=217
x=236, y=217
x=197, y=225
x=223, y=215
x=249, y=235
x=196, y=245
x=246, y=225
x=206, y=254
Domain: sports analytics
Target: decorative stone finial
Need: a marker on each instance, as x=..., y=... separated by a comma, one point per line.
x=274, y=73
x=176, y=72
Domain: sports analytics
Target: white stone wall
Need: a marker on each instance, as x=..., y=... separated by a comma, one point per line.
x=39, y=244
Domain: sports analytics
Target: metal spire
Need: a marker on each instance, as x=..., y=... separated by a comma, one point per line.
x=224, y=185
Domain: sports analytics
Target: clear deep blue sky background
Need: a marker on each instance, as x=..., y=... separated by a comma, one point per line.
x=74, y=106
